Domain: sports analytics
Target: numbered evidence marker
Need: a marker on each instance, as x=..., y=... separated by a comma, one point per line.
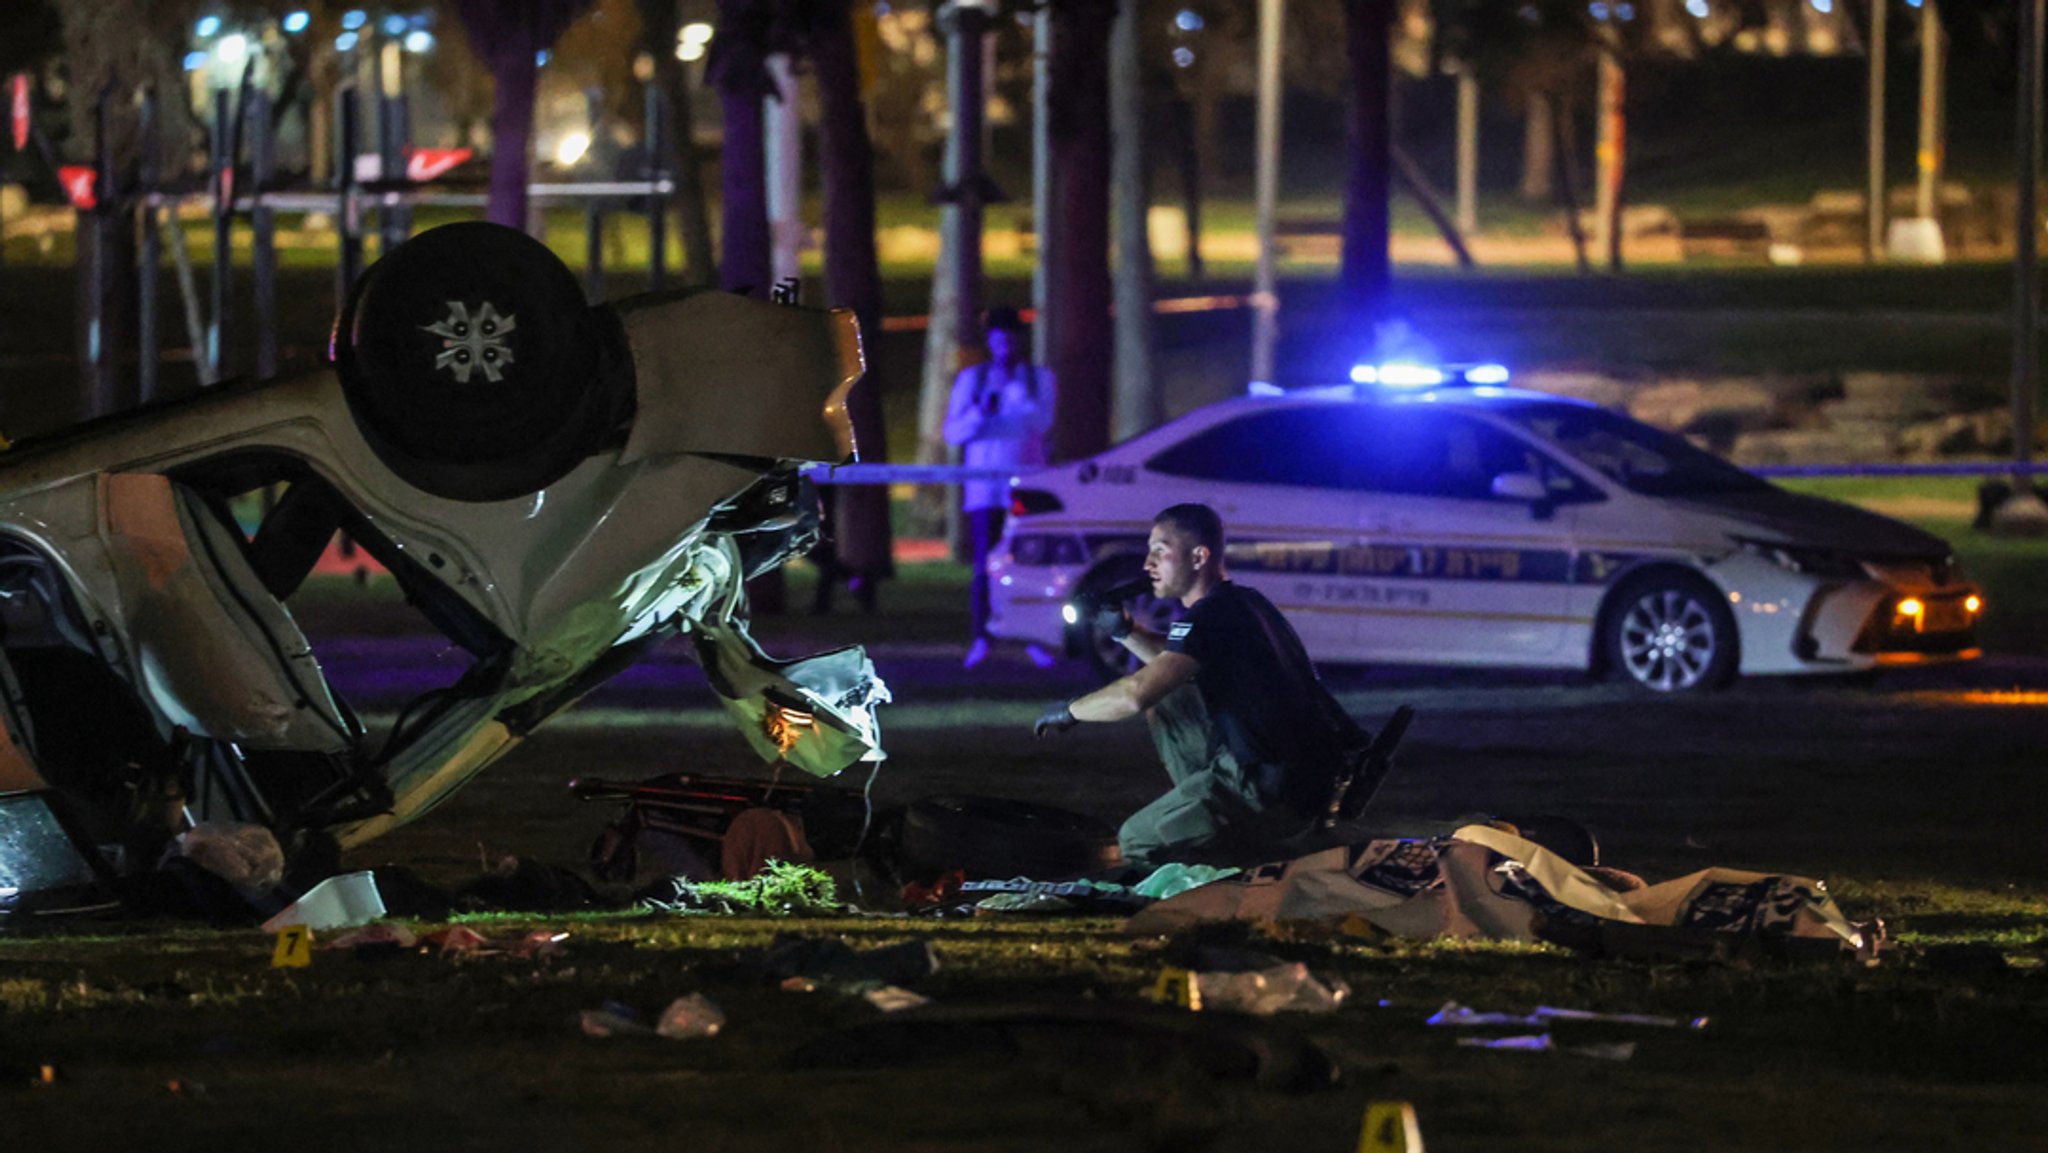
x=1177, y=987
x=294, y=948
x=1390, y=1127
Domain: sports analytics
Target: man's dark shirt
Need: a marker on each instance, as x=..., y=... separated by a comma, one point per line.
x=1262, y=693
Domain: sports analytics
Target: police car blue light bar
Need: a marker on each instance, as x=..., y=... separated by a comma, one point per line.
x=1410, y=374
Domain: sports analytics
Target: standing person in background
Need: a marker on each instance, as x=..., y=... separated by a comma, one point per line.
x=999, y=414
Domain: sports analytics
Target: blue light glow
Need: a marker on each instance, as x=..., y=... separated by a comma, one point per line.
x=1487, y=374
x=419, y=41
x=1263, y=388
x=345, y=42
x=1364, y=374
x=1598, y=9
x=1183, y=57
x=1489, y=390
x=353, y=19
x=1400, y=374
x=1188, y=20
x=1699, y=8
x=1625, y=10
x=194, y=61
x=1823, y=6
x=207, y=26
x=394, y=26
x=295, y=22
x=541, y=58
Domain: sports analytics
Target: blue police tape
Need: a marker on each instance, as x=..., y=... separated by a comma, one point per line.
x=904, y=473
x=959, y=473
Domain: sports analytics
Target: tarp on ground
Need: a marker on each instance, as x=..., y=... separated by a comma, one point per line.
x=1483, y=882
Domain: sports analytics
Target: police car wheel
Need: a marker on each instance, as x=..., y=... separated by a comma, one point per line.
x=1671, y=634
x=473, y=366
x=1109, y=658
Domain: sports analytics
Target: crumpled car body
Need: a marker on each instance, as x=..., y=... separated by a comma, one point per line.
x=151, y=671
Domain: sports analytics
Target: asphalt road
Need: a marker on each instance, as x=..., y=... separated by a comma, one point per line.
x=1917, y=775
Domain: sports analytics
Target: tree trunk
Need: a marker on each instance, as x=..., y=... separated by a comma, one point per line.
x=518, y=76
x=1537, y=128
x=1610, y=156
x=1568, y=179
x=853, y=278
x=1077, y=263
x=743, y=265
x=1365, y=277
x=1137, y=404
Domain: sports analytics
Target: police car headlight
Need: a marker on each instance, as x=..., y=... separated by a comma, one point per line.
x=1813, y=562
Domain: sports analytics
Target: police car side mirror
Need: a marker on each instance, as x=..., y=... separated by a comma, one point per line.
x=1527, y=487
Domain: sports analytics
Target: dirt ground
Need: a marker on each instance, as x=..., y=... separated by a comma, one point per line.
x=1917, y=798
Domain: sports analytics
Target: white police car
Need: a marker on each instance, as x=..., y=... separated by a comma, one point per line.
x=1429, y=516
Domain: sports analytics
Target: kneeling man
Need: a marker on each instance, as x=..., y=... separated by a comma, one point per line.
x=1253, y=741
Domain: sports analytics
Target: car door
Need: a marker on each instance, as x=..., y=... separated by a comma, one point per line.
x=1284, y=481
x=1458, y=574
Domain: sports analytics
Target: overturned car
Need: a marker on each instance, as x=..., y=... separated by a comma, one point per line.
x=554, y=486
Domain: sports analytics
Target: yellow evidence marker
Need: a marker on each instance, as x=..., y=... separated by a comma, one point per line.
x=294, y=948
x=1177, y=987
x=1390, y=1127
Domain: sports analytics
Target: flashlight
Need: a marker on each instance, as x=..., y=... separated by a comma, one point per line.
x=1088, y=602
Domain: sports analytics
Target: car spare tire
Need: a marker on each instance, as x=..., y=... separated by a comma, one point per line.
x=994, y=837
x=473, y=366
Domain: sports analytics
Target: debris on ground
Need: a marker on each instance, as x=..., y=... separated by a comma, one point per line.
x=341, y=902
x=894, y=999
x=613, y=1019
x=1482, y=881
x=1024, y=895
x=1173, y=879
x=1288, y=988
x=831, y=961
x=1543, y=1043
x=780, y=889
x=1454, y=1014
x=689, y=1018
x=382, y=934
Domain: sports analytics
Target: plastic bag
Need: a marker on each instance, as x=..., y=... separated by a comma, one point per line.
x=245, y=856
x=1171, y=880
x=1262, y=993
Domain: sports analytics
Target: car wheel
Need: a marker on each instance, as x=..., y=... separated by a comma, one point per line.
x=995, y=837
x=1109, y=658
x=1671, y=634
x=473, y=366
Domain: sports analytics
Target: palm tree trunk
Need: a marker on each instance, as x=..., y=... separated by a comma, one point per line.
x=1138, y=405
x=518, y=76
x=853, y=278
x=743, y=265
x=1365, y=276
x=1077, y=264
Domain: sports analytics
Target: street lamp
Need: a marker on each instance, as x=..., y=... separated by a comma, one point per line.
x=693, y=41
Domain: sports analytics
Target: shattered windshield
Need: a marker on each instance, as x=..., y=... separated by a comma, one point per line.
x=1633, y=455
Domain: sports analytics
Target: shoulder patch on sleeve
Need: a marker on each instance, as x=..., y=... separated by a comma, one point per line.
x=1180, y=630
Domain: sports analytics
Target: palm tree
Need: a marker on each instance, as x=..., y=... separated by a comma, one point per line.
x=853, y=277
x=748, y=32
x=1365, y=276
x=510, y=35
x=1077, y=264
